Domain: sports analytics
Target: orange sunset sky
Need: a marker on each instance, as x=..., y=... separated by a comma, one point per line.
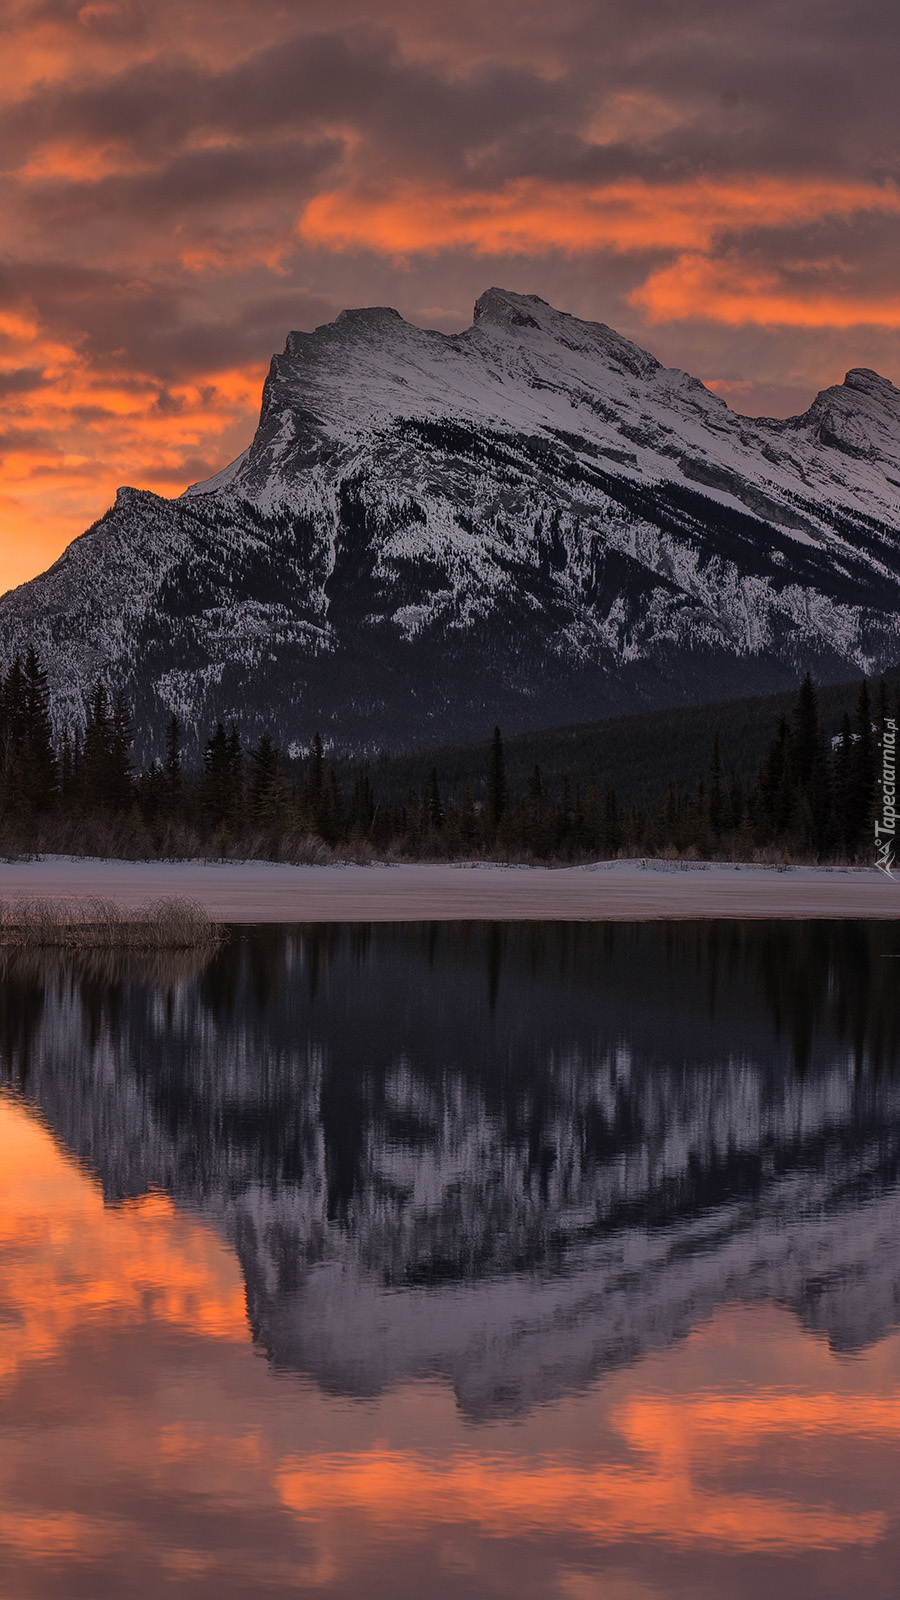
x=183, y=181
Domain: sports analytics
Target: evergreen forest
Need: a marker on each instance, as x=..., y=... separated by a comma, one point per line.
x=812, y=798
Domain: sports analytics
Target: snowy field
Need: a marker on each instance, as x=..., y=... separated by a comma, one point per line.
x=616, y=891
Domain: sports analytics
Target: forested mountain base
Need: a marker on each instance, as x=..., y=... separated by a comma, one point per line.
x=637, y=754
x=812, y=798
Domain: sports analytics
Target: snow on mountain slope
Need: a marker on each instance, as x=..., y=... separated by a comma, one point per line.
x=531, y=521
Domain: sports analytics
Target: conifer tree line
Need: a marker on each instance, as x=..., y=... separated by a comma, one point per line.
x=813, y=798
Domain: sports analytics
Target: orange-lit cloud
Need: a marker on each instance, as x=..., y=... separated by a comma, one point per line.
x=735, y=293
x=73, y=429
x=528, y=217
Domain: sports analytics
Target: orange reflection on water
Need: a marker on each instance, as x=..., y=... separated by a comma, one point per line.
x=503, y=1497
x=66, y=1258
x=142, y=1451
x=738, y=1422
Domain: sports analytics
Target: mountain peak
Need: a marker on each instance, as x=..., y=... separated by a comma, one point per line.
x=859, y=417
x=865, y=381
x=868, y=380
x=368, y=316
x=524, y=316
x=516, y=310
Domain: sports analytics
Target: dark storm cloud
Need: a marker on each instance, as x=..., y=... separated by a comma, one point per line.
x=196, y=182
x=806, y=85
x=364, y=83
x=21, y=380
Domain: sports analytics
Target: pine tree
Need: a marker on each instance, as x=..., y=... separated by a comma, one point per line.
x=806, y=731
x=809, y=772
x=236, y=778
x=267, y=787
x=715, y=801
x=171, y=769
x=671, y=817
x=361, y=813
x=28, y=767
x=316, y=769
x=66, y=769
x=563, y=817
x=329, y=816
x=497, y=798
x=700, y=819
x=773, y=798
x=863, y=771
x=536, y=819
x=613, y=837
x=737, y=802
x=12, y=731
x=38, y=776
x=221, y=787
x=593, y=816
x=152, y=793
x=433, y=807
x=120, y=784
x=843, y=819
x=94, y=774
x=468, y=820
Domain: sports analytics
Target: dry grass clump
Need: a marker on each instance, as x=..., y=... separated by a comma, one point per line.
x=173, y=924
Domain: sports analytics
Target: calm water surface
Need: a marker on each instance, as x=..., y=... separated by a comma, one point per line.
x=454, y=1261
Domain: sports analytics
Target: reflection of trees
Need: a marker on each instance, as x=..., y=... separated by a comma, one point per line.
x=32, y=981
x=799, y=982
x=836, y=976
x=99, y=968
x=640, y=1070
x=21, y=1011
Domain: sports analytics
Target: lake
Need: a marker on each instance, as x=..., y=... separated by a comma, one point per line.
x=458, y=1259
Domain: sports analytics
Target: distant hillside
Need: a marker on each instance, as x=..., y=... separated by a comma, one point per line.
x=638, y=756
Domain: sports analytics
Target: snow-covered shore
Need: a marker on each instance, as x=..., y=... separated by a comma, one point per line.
x=254, y=891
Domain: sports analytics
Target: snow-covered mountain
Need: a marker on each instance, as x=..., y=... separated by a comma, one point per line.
x=531, y=521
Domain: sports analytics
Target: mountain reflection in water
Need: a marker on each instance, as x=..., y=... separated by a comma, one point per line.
x=591, y=1217
x=603, y=1130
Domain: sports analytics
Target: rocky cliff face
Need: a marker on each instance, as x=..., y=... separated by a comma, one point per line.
x=531, y=521
x=517, y=1158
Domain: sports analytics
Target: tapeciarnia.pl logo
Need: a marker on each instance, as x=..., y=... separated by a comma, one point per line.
x=887, y=827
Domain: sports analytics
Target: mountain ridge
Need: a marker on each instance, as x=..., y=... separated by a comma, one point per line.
x=529, y=521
